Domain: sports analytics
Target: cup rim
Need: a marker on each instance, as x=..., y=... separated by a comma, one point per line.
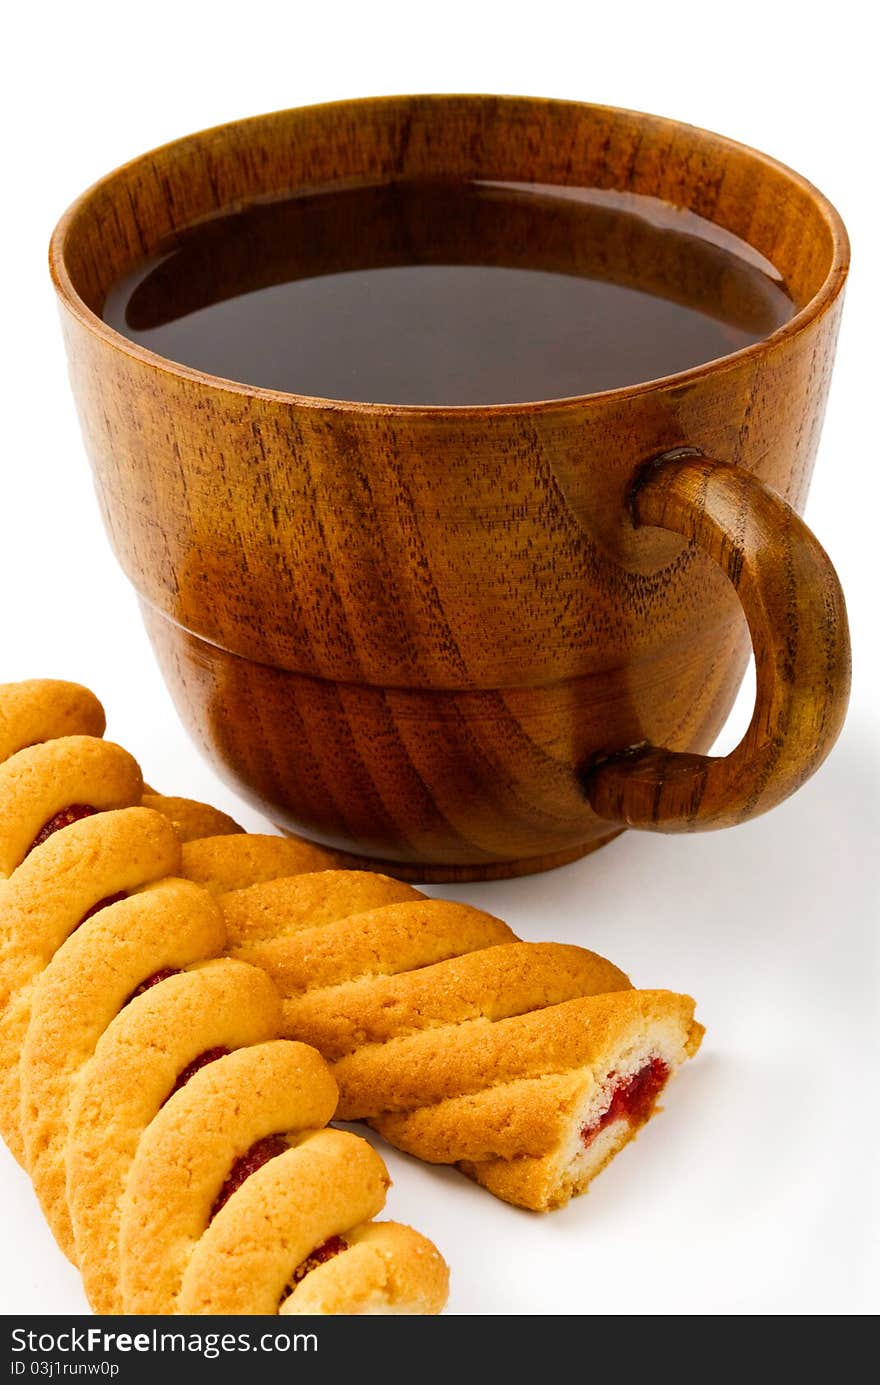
x=811, y=311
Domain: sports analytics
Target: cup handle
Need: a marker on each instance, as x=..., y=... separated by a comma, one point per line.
x=796, y=613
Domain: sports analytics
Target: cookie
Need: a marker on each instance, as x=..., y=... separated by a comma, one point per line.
x=88, y=982
x=379, y=943
x=537, y=1128
x=50, y=786
x=492, y=983
x=273, y=910
x=527, y=1065
x=248, y=1123
x=115, y=996
x=225, y=863
x=190, y=819
x=57, y=886
x=388, y=1269
x=212, y=1009
x=43, y=709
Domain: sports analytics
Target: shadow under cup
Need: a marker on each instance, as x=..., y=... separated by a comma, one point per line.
x=446, y=640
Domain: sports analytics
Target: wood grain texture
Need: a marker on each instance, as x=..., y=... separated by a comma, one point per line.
x=406, y=631
x=800, y=636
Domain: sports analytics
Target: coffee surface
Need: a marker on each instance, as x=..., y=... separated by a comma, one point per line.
x=450, y=294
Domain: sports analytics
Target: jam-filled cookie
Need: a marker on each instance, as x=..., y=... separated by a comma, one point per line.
x=237, y=1195
x=116, y=999
x=529, y=1065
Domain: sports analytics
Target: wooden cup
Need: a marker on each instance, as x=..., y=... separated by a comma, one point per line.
x=461, y=643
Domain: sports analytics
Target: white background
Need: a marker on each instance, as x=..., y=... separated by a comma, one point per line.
x=751, y=1194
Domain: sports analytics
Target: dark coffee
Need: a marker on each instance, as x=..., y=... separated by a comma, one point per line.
x=450, y=293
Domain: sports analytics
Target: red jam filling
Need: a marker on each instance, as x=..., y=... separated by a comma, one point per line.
x=101, y=904
x=319, y=1256
x=151, y=981
x=258, y=1155
x=75, y=812
x=632, y=1100
x=210, y=1055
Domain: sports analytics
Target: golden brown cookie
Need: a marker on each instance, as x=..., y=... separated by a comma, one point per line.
x=387, y=1269
x=273, y=910
x=59, y=884
x=536, y=1131
x=90, y=979
x=191, y=820
x=491, y=983
x=110, y=984
x=46, y=787
x=236, y=1195
x=529, y=1065
x=382, y=942
x=232, y=862
x=193, y=1017
x=43, y=709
